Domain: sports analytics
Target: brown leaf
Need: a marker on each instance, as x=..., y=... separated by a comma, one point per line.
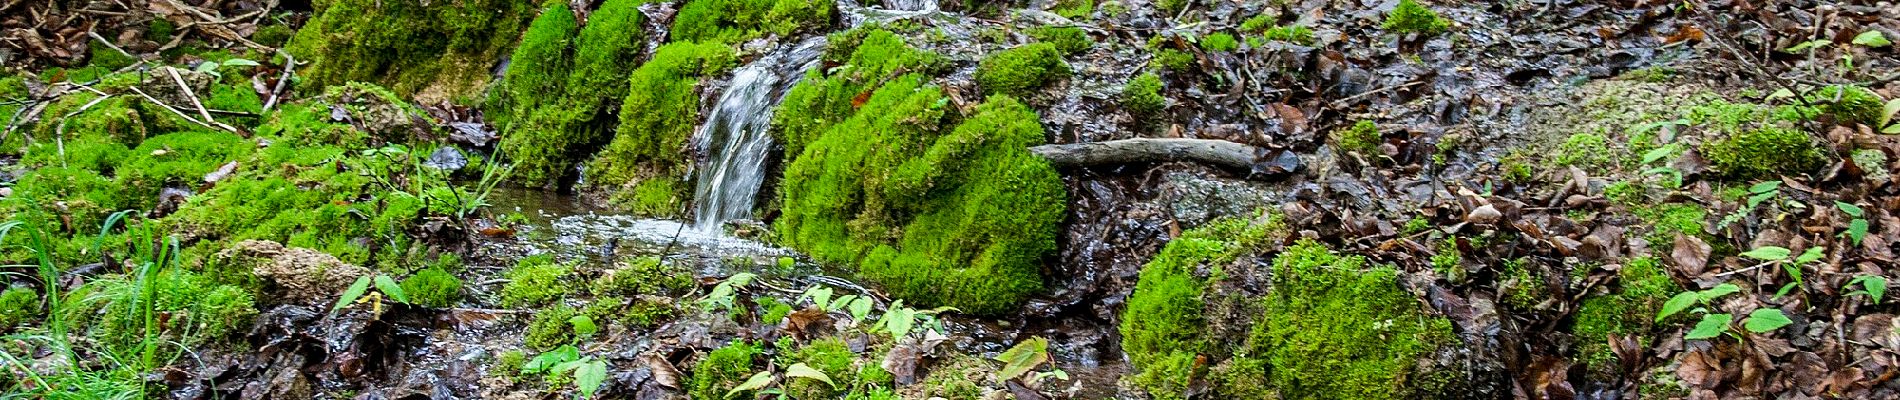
x=1700, y=369
x=802, y=322
x=663, y=372
x=1691, y=255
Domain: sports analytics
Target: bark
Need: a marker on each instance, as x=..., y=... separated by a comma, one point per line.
x=1143, y=150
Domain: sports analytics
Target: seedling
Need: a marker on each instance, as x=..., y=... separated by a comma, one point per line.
x=358, y=292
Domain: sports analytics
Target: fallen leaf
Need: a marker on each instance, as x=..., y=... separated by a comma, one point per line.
x=1691, y=255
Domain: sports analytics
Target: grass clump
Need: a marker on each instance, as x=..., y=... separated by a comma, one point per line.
x=1644, y=286
x=1142, y=95
x=535, y=280
x=1021, y=71
x=656, y=121
x=1069, y=39
x=1362, y=137
x=721, y=370
x=433, y=287
x=1410, y=17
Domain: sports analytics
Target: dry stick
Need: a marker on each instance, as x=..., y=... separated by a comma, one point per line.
x=290, y=63
x=1348, y=100
x=174, y=110
x=59, y=132
x=186, y=88
x=108, y=43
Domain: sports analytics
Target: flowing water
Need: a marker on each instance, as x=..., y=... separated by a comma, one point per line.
x=911, y=5
x=736, y=137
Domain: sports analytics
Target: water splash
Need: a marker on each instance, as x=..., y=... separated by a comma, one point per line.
x=911, y=5
x=736, y=137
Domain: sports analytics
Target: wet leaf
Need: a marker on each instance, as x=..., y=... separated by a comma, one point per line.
x=1691, y=254
x=1849, y=208
x=800, y=370
x=355, y=291
x=1892, y=108
x=1712, y=325
x=1720, y=290
x=1769, y=253
x=819, y=295
x=1764, y=187
x=1676, y=304
x=1765, y=320
x=757, y=381
x=1874, y=286
x=1023, y=357
x=548, y=361
x=389, y=287
x=1872, y=38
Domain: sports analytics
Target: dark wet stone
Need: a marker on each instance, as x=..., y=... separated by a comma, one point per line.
x=446, y=158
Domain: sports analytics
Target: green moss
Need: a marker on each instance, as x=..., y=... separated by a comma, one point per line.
x=644, y=276
x=831, y=356
x=538, y=69
x=433, y=287
x=1362, y=137
x=1644, y=286
x=733, y=21
x=105, y=57
x=1850, y=104
x=234, y=98
x=550, y=328
x=554, y=103
x=1142, y=95
x=1069, y=39
x=1667, y=220
x=1411, y=17
x=657, y=119
x=1587, y=150
x=409, y=46
x=1220, y=41
x=1655, y=74
x=18, y=305
x=645, y=313
x=1164, y=327
x=722, y=370
x=1296, y=34
x=1763, y=153
x=1625, y=192
x=1073, y=9
x=1873, y=162
x=535, y=280
x=273, y=35
x=608, y=49
x=1172, y=60
x=508, y=363
x=160, y=30
x=202, y=312
x=1173, y=7
x=960, y=377
x=1021, y=71
x=1333, y=327
x=866, y=57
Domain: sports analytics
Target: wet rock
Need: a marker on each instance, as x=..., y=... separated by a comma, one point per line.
x=446, y=158
x=169, y=199
x=299, y=274
x=471, y=133
x=1194, y=199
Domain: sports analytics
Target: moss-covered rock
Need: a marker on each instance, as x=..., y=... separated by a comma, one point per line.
x=733, y=21
x=1069, y=39
x=441, y=47
x=554, y=104
x=721, y=370
x=1410, y=17
x=656, y=121
x=866, y=58
x=1331, y=326
x=1142, y=95
x=1021, y=71
x=433, y=287
x=1644, y=286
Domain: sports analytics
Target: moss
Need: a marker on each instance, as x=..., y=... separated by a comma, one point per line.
x=1587, y=150
x=18, y=306
x=608, y=48
x=1368, y=342
x=1220, y=41
x=644, y=276
x=1173, y=7
x=234, y=98
x=772, y=311
x=646, y=313
x=550, y=328
x=1763, y=153
x=1021, y=71
x=1625, y=192
x=1172, y=60
x=535, y=280
x=960, y=377
x=160, y=30
x=273, y=35
x=1073, y=9
x=1410, y=17
x=408, y=46
x=202, y=312
x=895, y=215
x=433, y=287
x=1850, y=104
x=733, y=21
x=722, y=370
x=554, y=110
x=508, y=363
x=1163, y=329
x=1644, y=286
x=866, y=57
x=1362, y=137
x=657, y=119
x=105, y=57
x=1069, y=39
x=828, y=355
x=1873, y=162
x=1667, y=220
x=1654, y=74
x=538, y=69
x=1142, y=95
x=1296, y=34
x=1523, y=286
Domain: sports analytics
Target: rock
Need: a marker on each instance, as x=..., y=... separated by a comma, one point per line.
x=470, y=133
x=299, y=274
x=446, y=158
x=1485, y=214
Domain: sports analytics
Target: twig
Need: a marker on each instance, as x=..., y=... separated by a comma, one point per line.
x=290, y=63
x=186, y=88
x=59, y=132
x=174, y=110
x=1349, y=99
x=108, y=43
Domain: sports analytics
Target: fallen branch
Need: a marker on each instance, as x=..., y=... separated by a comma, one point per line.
x=1143, y=150
x=174, y=110
x=290, y=63
x=186, y=89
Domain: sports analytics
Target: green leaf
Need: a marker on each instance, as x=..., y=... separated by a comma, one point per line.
x=1718, y=291
x=1794, y=271
x=1676, y=304
x=1872, y=38
x=389, y=288
x=800, y=370
x=238, y=62
x=1769, y=253
x=1756, y=199
x=860, y=308
x=547, y=361
x=1812, y=254
x=583, y=325
x=1849, y=208
x=1892, y=108
x=1785, y=289
x=1764, y=187
x=355, y=291
x=589, y=377
x=1765, y=319
x=902, y=319
x=1875, y=286
x=1023, y=357
x=1804, y=46
x=840, y=302
x=1657, y=154
x=756, y=382
x=1712, y=325
x=1857, y=230
x=819, y=295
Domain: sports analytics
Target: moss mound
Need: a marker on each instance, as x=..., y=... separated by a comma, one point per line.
x=1021, y=71
x=937, y=215
x=406, y=45
x=1331, y=326
x=646, y=162
x=553, y=105
x=733, y=21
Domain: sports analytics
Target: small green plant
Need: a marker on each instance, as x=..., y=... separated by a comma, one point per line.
x=358, y=292
x=1023, y=358
x=587, y=372
x=1220, y=41
x=1856, y=228
x=1851, y=104
x=1362, y=137
x=1411, y=17
x=433, y=287
x=725, y=295
x=1775, y=255
x=1021, y=71
x=1142, y=95
x=1872, y=286
x=1757, y=194
x=1712, y=324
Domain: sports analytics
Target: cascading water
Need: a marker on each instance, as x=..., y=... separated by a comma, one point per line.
x=736, y=137
x=911, y=5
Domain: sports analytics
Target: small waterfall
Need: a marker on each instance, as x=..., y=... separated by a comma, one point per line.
x=736, y=138
x=911, y=5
